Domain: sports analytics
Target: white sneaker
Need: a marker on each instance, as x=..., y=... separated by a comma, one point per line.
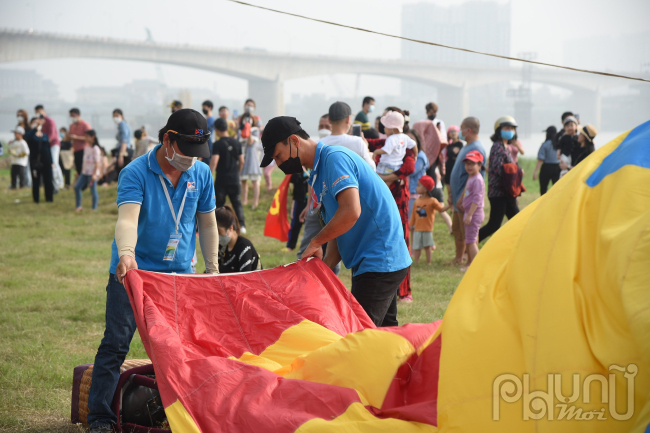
x=242, y=230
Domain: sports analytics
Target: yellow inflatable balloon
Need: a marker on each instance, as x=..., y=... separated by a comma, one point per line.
x=549, y=331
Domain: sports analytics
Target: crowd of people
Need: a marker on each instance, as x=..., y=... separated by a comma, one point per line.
x=416, y=160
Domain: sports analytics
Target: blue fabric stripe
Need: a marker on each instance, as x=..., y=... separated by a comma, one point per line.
x=634, y=150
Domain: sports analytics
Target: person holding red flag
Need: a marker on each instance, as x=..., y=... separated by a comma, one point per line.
x=349, y=197
x=276, y=225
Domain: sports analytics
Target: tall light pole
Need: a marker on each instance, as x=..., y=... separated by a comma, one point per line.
x=523, y=96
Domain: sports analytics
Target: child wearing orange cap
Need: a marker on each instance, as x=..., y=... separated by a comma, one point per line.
x=422, y=218
x=473, y=199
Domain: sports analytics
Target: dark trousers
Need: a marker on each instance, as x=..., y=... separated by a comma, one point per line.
x=377, y=294
x=66, y=174
x=548, y=172
x=45, y=175
x=296, y=225
x=233, y=192
x=78, y=161
x=18, y=176
x=127, y=160
x=120, y=327
x=499, y=207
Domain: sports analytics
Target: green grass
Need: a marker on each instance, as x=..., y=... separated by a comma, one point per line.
x=53, y=273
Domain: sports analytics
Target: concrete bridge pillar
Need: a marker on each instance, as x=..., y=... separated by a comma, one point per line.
x=587, y=103
x=453, y=103
x=268, y=96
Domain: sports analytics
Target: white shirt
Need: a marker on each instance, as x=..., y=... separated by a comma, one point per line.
x=18, y=147
x=352, y=142
x=395, y=148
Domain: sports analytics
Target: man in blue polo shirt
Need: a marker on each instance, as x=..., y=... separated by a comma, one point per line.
x=161, y=197
x=469, y=129
x=362, y=223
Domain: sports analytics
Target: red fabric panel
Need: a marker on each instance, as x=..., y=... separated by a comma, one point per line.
x=413, y=395
x=189, y=324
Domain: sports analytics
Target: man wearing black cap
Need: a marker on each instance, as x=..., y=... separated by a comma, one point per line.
x=175, y=106
x=362, y=224
x=160, y=197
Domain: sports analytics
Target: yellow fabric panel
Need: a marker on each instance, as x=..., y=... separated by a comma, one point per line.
x=299, y=339
x=365, y=361
x=563, y=288
x=179, y=419
x=302, y=338
x=356, y=419
x=258, y=361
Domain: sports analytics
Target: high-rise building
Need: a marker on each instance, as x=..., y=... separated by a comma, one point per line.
x=27, y=84
x=480, y=26
x=476, y=25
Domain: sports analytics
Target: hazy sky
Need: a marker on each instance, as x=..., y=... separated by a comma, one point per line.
x=537, y=25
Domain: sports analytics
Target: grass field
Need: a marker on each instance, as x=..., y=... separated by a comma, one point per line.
x=53, y=274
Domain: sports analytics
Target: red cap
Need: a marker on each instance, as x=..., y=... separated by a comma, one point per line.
x=473, y=155
x=427, y=182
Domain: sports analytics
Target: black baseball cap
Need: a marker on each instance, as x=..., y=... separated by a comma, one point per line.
x=189, y=129
x=176, y=103
x=277, y=129
x=339, y=110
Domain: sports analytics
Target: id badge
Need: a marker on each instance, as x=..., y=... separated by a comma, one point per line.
x=172, y=246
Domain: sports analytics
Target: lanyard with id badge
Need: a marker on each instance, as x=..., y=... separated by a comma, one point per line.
x=174, y=238
x=320, y=208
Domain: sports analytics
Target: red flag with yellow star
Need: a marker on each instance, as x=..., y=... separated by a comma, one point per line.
x=277, y=224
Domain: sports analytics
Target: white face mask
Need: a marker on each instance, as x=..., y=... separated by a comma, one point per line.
x=249, y=109
x=324, y=133
x=180, y=162
x=117, y=120
x=74, y=119
x=20, y=119
x=371, y=109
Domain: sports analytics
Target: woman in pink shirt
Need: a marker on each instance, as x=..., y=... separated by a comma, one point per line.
x=90, y=171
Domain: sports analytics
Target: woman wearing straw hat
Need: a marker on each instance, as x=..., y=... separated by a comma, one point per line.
x=585, y=143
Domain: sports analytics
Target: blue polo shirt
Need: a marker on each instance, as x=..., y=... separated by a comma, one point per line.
x=139, y=183
x=459, y=176
x=376, y=241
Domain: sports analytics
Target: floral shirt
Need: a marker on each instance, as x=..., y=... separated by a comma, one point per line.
x=499, y=155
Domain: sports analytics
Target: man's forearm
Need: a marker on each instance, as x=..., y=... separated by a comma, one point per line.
x=126, y=229
x=332, y=255
x=341, y=222
x=344, y=218
x=209, y=241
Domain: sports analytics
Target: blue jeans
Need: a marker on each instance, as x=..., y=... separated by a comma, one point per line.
x=82, y=183
x=120, y=327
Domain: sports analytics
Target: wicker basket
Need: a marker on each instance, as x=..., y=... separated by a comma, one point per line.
x=82, y=379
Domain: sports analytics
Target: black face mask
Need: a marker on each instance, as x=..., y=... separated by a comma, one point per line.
x=431, y=117
x=205, y=111
x=381, y=128
x=291, y=165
